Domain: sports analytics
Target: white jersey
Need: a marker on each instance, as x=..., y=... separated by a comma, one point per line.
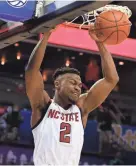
x=59, y=136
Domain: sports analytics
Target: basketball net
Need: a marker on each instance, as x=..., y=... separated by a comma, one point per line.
x=90, y=17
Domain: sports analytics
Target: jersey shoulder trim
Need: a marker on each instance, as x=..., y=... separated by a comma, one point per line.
x=43, y=112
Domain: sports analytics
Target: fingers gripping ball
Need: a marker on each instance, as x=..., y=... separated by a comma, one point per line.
x=112, y=27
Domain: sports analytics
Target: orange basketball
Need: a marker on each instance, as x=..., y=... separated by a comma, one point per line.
x=112, y=27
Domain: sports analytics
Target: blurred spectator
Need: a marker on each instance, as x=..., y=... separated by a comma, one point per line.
x=107, y=114
x=23, y=159
x=9, y=109
x=2, y=110
x=1, y=159
x=117, y=112
x=3, y=128
x=12, y=134
x=104, y=127
x=117, y=160
x=13, y=120
x=11, y=158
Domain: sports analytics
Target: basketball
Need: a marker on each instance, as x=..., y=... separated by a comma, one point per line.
x=112, y=27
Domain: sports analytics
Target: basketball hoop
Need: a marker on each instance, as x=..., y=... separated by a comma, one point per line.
x=90, y=17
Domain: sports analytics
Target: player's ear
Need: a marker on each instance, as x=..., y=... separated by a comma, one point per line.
x=57, y=84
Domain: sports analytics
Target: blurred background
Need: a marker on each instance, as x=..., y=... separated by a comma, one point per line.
x=110, y=135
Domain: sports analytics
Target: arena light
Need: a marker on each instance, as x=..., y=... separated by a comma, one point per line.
x=121, y=63
x=8, y=90
x=59, y=49
x=67, y=64
x=80, y=53
x=3, y=60
x=73, y=57
x=19, y=55
x=2, y=63
x=21, y=75
x=16, y=44
x=44, y=77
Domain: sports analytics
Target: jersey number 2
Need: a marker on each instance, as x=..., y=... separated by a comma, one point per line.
x=65, y=130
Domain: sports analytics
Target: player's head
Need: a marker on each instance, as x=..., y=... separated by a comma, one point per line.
x=68, y=84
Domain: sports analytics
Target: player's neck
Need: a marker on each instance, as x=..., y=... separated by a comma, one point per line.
x=61, y=102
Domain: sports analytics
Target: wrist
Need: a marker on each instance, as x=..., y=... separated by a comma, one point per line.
x=47, y=34
x=45, y=38
x=99, y=43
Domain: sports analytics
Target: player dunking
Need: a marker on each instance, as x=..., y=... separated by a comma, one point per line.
x=58, y=124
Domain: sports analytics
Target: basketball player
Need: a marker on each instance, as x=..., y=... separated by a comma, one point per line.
x=58, y=124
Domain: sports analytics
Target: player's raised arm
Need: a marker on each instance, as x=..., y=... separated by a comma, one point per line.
x=101, y=89
x=33, y=78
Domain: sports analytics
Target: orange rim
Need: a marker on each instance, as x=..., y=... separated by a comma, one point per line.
x=74, y=25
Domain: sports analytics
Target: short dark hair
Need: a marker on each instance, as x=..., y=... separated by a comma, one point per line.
x=65, y=70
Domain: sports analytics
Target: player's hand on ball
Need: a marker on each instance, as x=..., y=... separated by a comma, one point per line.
x=92, y=33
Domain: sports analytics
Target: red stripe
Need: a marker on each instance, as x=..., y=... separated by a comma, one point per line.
x=80, y=39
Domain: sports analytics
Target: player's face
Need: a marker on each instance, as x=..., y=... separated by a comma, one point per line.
x=71, y=87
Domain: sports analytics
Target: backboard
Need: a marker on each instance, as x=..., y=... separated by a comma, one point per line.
x=39, y=17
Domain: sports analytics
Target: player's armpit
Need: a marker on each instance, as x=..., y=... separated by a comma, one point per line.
x=96, y=95
x=35, y=89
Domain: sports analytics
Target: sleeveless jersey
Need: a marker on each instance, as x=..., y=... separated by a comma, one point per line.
x=58, y=138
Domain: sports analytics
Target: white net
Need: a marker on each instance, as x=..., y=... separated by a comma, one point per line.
x=123, y=9
x=90, y=17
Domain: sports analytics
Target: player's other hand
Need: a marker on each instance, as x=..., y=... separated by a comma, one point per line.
x=92, y=32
